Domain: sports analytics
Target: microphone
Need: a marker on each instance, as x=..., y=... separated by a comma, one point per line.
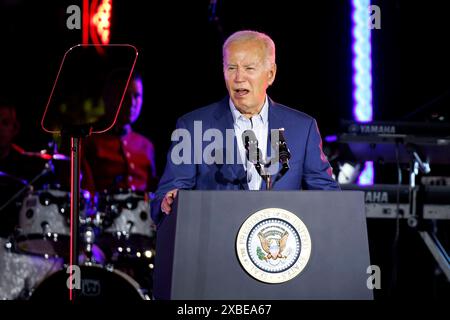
x=283, y=151
x=251, y=146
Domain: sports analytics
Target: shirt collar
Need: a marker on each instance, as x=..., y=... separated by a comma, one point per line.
x=263, y=114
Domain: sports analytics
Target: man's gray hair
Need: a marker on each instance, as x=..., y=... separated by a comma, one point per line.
x=249, y=35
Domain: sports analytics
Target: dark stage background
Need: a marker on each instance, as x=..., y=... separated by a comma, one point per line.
x=180, y=59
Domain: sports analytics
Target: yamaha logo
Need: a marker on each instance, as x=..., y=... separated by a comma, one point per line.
x=273, y=245
x=379, y=129
x=376, y=197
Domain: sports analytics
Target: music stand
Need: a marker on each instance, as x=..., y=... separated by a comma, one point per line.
x=86, y=98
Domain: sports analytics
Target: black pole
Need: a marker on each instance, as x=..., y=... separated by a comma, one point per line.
x=76, y=133
x=75, y=143
x=268, y=179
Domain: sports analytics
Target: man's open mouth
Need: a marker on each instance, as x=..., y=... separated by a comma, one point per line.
x=241, y=92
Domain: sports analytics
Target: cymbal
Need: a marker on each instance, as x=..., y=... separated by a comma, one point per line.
x=47, y=156
x=42, y=155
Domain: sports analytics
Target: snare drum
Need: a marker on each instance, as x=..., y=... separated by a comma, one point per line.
x=44, y=222
x=96, y=284
x=127, y=227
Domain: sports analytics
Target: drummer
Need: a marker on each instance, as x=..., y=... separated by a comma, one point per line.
x=121, y=158
x=12, y=159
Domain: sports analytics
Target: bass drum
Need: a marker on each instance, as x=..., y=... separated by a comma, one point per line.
x=19, y=273
x=97, y=284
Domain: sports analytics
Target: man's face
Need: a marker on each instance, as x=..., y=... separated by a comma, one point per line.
x=132, y=103
x=8, y=126
x=247, y=75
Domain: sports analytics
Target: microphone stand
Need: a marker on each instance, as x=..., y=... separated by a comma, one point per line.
x=261, y=169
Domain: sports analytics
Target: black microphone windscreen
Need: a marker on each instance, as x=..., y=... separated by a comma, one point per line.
x=279, y=138
x=248, y=136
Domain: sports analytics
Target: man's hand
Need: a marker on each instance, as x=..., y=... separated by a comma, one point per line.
x=166, y=204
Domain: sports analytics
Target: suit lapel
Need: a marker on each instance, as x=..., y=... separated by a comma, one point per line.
x=275, y=122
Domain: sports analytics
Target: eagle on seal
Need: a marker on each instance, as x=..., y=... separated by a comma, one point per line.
x=273, y=247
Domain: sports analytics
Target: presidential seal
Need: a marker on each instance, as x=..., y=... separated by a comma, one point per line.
x=273, y=245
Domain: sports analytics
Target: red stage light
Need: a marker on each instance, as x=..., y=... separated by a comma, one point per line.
x=101, y=20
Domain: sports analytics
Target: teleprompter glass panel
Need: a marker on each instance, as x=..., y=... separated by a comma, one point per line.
x=89, y=88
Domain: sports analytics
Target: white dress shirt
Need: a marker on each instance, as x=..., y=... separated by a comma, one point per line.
x=260, y=125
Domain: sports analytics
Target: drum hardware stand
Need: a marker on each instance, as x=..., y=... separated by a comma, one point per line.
x=128, y=233
x=29, y=186
x=27, y=290
x=46, y=230
x=89, y=241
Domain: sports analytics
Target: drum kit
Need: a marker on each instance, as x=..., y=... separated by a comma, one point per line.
x=116, y=241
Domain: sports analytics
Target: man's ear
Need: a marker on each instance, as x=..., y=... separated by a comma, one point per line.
x=272, y=73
